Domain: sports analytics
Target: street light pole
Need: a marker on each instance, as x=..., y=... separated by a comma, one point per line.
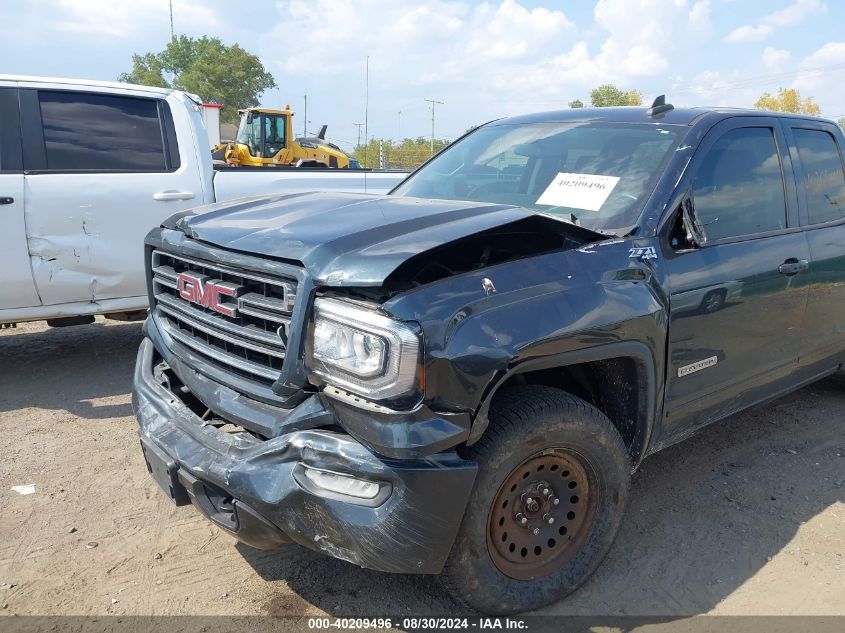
x=432, y=102
x=399, y=130
x=305, y=117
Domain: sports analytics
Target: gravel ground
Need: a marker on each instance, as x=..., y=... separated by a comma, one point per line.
x=746, y=518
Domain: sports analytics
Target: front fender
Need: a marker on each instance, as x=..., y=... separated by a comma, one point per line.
x=595, y=302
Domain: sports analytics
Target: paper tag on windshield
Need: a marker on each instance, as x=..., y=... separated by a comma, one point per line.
x=578, y=191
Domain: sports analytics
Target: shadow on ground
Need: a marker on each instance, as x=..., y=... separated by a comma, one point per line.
x=68, y=368
x=705, y=517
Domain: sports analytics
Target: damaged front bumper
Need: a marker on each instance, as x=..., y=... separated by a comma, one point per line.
x=260, y=491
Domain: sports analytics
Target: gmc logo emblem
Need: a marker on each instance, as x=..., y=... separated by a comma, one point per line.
x=209, y=293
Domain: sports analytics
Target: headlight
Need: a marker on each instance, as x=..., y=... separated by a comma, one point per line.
x=362, y=351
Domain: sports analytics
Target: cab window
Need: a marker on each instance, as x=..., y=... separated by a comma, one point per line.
x=738, y=189
x=824, y=180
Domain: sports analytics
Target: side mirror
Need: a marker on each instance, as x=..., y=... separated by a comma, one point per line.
x=692, y=227
x=249, y=118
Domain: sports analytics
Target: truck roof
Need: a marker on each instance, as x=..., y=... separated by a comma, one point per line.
x=676, y=116
x=94, y=83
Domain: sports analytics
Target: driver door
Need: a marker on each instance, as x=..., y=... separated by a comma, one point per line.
x=737, y=303
x=274, y=137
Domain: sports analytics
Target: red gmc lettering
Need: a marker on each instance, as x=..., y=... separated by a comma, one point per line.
x=192, y=289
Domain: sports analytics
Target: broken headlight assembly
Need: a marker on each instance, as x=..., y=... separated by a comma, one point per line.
x=366, y=353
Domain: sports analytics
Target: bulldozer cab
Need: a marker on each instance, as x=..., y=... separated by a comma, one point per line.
x=264, y=133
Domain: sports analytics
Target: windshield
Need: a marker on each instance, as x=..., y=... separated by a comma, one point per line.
x=249, y=133
x=595, y=174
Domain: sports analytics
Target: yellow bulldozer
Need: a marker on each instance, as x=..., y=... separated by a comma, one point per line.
x=265, y=139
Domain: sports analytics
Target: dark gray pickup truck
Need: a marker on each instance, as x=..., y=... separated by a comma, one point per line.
x=459, y=377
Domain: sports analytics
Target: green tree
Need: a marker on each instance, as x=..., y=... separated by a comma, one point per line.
x=576, y=104
x=408, y=154
x=222, y=74
x=788, y=100
x=841, y=123
x=609, y=95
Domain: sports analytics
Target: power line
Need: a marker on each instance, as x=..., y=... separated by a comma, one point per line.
x=761, y=80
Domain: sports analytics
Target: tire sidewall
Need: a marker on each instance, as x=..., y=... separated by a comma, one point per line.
x=577, y=432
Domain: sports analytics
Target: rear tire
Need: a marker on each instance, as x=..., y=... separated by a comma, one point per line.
x=542, y=444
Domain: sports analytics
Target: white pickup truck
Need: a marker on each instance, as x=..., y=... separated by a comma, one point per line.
x=87, y=168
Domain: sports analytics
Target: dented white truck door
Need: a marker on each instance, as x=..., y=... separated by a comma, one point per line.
x=102, y=168
x=18, y=287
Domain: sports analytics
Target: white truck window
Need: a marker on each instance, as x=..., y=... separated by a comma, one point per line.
x=99, y=132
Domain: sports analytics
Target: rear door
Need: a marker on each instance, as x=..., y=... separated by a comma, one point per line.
x=736, y=304
x=102, y=169
x=817, y=154
x=18, y=286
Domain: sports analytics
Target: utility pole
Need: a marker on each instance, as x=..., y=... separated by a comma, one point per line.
x=366, y=113
x=399, y=129
x=172, y=33
x=432, y=102
x=305, y=117
x=359, y=126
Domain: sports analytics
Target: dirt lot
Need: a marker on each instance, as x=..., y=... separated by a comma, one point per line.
x=746, y=518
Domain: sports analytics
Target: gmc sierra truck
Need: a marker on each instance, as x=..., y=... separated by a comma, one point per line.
x=87, y=167
x=459, y=377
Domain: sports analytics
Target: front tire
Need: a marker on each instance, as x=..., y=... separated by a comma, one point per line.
x=552, y=486
x=713, y=301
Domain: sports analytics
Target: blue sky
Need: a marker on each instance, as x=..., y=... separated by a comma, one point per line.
x=482, y=59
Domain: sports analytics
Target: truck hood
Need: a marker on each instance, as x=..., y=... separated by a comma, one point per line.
x=344, y=239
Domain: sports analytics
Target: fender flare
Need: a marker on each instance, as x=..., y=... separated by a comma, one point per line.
x=639, y=352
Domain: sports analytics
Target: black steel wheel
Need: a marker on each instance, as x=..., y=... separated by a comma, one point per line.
x=542, y=514
x=552, y=485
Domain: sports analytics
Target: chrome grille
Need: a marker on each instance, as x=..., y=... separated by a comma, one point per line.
x=251, y=342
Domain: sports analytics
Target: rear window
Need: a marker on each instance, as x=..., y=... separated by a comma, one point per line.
x=95, y=132
x=824, y=180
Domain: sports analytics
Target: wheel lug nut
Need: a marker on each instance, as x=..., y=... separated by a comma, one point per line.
x=548, y=518
x=556, y=501
x=546, y=492
x=536, y=531
x=521, y=518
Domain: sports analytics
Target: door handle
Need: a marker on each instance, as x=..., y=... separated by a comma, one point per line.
x=6, y=200
x=793, y=266
x=173, y=195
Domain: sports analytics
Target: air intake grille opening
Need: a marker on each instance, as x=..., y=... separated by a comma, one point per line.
x=236, y=320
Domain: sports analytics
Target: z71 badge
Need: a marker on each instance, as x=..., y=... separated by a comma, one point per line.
x=643, y=252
